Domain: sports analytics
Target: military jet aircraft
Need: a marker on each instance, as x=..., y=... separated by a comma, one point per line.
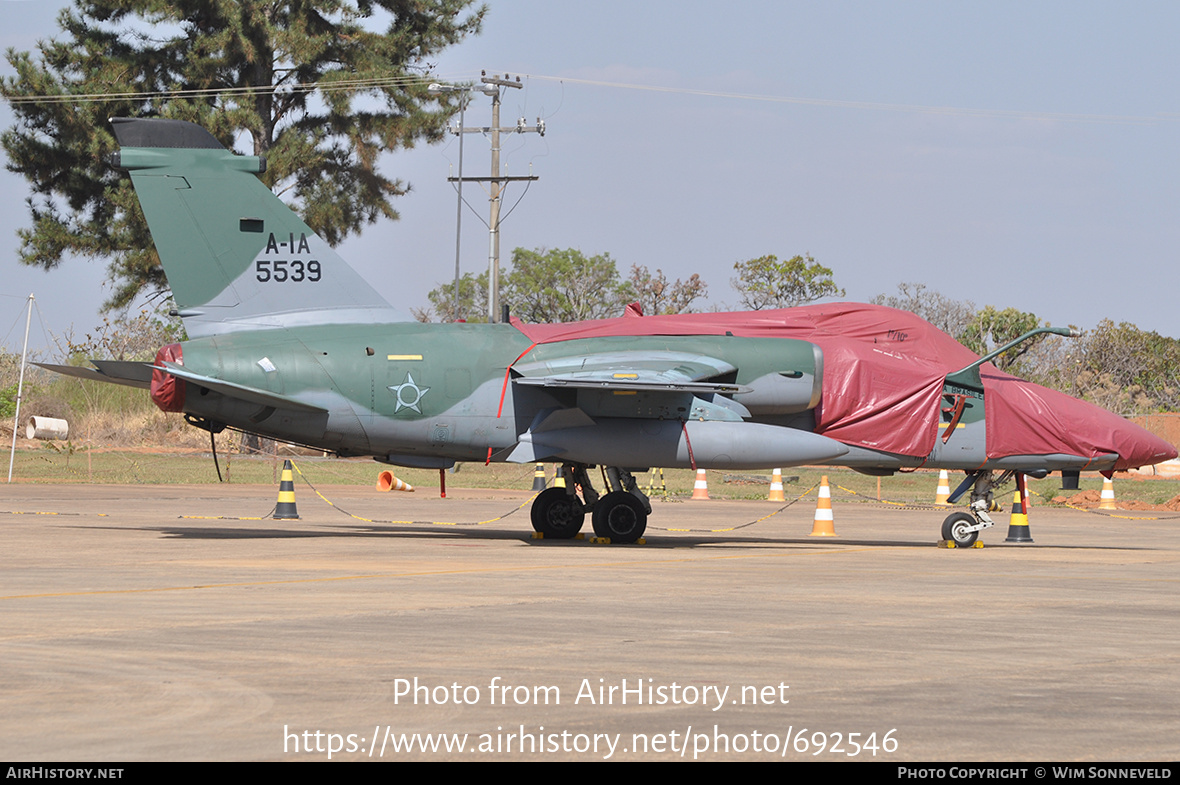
x=289, y=342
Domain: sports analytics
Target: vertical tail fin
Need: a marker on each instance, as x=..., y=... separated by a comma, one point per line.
x=236, y=257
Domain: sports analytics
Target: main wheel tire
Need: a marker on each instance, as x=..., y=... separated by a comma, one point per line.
x=954, y=529
x=619, y=517
x=557, y=514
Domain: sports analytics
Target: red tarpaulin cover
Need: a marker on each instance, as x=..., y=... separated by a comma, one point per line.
x=883, y=376
x=168, y=391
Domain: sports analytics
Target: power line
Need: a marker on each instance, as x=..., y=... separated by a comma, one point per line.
x=918, y=108
x=332, y=85
x=373, y=83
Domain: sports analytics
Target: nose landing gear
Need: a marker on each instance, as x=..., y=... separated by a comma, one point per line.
x=963, y=528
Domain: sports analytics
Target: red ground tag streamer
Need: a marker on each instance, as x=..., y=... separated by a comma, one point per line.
x=504, y=388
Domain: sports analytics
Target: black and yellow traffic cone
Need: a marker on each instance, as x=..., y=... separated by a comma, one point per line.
x=539, y=477
x=285, y=509
x=651, y=483
x=559, y=477
x=1018, y=530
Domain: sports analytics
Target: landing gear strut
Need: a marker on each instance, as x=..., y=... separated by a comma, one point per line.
x=963, y=528
x=619, y=516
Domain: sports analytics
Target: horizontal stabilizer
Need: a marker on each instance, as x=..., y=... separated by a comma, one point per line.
x=137, y=372
x=129, y=374
x=240, y=391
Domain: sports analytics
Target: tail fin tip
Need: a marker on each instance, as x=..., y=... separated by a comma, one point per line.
x=161, y=132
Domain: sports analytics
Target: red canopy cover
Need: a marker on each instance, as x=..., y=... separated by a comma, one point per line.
x=883, y=376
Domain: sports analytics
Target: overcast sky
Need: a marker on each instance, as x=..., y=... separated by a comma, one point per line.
x=1011, y=153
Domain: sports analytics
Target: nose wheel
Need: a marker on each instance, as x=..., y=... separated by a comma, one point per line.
x=963, y=528
x=960, y=529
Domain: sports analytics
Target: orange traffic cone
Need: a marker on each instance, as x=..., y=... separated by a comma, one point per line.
x=387, y=482
x=824, y=524
x=776, y=487
x=944, y=489
x=700, y=488
x=1107, y=502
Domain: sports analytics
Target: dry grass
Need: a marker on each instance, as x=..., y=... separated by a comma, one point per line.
x=118, y=436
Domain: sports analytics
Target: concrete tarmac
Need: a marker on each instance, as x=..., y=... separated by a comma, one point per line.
x=130, y=632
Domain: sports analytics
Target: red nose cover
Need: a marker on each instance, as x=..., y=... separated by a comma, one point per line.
x=167, y=390
x=1035, y=420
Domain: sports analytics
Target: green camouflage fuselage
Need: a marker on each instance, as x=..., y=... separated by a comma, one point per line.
x=443, y=391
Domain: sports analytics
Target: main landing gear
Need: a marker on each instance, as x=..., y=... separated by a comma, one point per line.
x=619, y=516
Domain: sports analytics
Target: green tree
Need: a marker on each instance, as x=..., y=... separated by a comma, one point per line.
x=473, y=301
x=991, y=328
x=309, y=84
x=766, y=282
x=8, y=402
x=564, y=286
x=656, y=296
x=1127, y=370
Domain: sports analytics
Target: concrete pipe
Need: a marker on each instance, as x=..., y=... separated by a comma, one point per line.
x=47, y=428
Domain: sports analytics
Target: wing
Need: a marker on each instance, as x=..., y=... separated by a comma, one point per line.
x=646, y=385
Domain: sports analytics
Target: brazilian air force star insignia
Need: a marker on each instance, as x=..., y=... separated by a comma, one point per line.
x=408, y=394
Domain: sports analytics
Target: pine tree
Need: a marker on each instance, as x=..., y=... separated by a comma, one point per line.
x=308, y=84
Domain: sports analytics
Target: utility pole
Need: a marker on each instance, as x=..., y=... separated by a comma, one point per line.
x=20, y=387
x=464, y=93
x=493, y=85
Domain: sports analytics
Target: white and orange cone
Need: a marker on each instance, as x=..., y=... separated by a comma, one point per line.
x=824, y=525
x=700, y=488
x=776, y=487
x=944, y=489
x=1107, y=499
x=387, y=482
